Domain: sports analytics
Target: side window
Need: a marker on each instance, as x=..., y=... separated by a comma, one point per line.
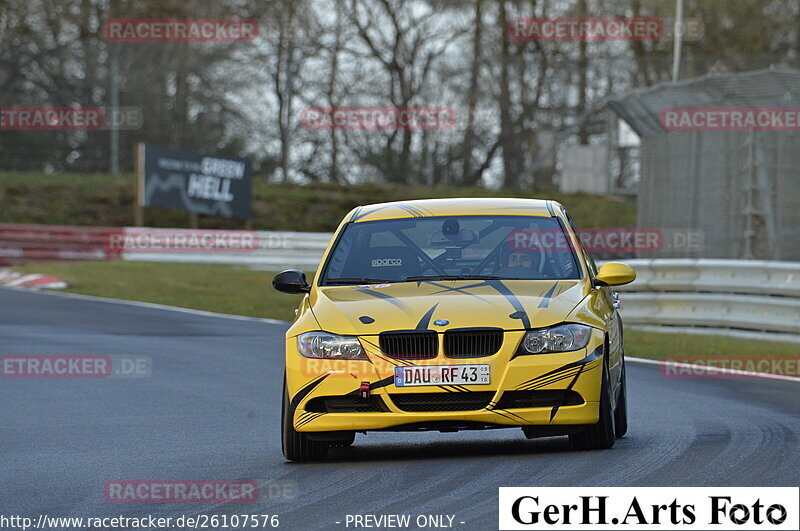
x=586, y=256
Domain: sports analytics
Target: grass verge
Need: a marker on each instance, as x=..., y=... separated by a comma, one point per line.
x=659, y=345
x=215, y=288
x=107, y=200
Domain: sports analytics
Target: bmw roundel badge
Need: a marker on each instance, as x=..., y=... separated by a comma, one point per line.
x=441, y=322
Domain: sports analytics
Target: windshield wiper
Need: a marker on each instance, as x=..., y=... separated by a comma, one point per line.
x=453, y=277
x=358, y=281
x=409, y=279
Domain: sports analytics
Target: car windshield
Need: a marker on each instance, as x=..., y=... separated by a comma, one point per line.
x=452, y=248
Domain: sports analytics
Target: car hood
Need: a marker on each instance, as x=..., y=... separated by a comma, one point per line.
x=507, y=304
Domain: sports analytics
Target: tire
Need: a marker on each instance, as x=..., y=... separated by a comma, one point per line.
x=296, y=446
x=621, y=412
x=601, y=435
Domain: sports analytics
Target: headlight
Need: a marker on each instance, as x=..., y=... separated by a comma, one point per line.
x=330, y=346
x=561, y=338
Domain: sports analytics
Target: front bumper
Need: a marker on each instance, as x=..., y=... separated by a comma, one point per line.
x=569, y=373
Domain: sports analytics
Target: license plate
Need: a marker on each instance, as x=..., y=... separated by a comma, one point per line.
x=441, y=375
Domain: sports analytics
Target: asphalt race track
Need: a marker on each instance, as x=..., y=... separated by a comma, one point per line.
x=211, y=409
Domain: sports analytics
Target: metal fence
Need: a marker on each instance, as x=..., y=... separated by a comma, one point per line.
x=740, y=188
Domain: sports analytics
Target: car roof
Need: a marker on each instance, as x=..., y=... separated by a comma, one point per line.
x=455, y=206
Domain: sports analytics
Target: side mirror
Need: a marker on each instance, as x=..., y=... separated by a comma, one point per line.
x=291, y=281
x=614, y=274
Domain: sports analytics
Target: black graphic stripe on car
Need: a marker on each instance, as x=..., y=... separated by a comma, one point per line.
x=388, y=298
x=594, y=355
x=545, y=302
x=459, y=289
x=549, y=381
x=507, y=412
x=302, y=393
x=308, y=419
x=510, y=297
x=373, y=385
x=549, y=377
x=360, y=213
x=506, y=415
x=557, y=378
x=414, y=211
x=425, y=322
x=394, y=362
x=566, y=392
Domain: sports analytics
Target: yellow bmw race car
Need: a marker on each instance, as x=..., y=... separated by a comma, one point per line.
x=454, y=314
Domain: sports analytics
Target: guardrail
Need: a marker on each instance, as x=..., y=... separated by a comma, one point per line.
x=752, y=298
x=732, y=297
x=272, y=250
x=26, y=243
x=759, y=277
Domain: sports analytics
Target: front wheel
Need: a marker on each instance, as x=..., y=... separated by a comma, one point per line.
x=296, y=446
x=601, y=435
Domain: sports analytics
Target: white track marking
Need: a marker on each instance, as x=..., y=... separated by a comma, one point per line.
x=153, y=305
